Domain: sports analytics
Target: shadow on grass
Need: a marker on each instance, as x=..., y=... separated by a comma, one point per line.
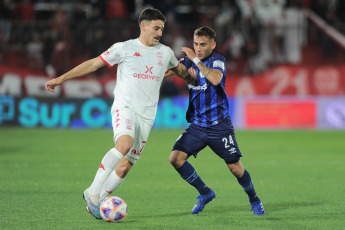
x=269, y=207
x=230, y=210
x=10, y=150
x=280, y=206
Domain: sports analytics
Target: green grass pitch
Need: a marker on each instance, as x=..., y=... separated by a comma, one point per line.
x=299, y=175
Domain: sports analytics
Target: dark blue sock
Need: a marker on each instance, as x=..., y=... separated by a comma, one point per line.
x=189, y=174
x=246, y=182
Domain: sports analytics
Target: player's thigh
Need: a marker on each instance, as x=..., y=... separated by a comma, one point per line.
x=123, y=121
x=141, y=136
x=191, y=141
x=124, y=143
x=224, y=144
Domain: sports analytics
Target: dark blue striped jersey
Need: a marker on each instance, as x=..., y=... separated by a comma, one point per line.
x=208, y=104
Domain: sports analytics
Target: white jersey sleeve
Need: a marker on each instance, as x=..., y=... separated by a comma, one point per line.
x=114, y=54
x=173, y=62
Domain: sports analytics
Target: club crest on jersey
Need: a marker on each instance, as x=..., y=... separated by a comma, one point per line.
x=160, y=58
x=137, y=54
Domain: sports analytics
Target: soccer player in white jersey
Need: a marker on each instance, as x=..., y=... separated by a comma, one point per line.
x=142, y=63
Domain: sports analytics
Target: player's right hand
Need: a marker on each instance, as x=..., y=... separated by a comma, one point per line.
x=50, y=85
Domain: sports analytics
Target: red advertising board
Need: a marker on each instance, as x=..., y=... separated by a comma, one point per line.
x=290, y=80
x=278, y=81
x=280, y=114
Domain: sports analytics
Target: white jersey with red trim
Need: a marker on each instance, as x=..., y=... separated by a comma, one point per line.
x=140, y=73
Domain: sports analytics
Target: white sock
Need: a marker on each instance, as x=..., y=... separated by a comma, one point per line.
x=108, y=164
x=110, y=184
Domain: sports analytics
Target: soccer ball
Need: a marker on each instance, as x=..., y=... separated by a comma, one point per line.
x=113, y=209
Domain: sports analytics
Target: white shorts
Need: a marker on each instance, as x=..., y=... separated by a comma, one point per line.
x=127, y=122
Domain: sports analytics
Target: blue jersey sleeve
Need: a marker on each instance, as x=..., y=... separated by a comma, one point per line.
x=185, y=61
x=218, y=62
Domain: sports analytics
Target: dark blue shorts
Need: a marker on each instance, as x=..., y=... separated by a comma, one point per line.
x=220, y=138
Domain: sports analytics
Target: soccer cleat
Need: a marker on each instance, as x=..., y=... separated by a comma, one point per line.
x=202, y=201
x=257, y=208
x=93, y=210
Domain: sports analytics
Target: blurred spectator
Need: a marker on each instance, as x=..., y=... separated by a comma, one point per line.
x=59, y=61
x=5, y=22
x=79, y=25
x=326, y=10
x=188, y=13
x=168, y=8
x=224, y=18
x=252, y=34
x=98, y=46
x=269, y=13
x=295, y=32
x=116, y=9
x=178, y=40
x=24, y=11
x=34, y=51
x=51, y=37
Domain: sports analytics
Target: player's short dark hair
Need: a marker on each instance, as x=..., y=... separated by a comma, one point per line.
x=205, y=31
x=150, y=14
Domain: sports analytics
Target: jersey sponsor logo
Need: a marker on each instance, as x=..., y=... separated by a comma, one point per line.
x=145, y=76
x=160, y=58
x=137, y=54
x=105, y=53
x=149, y=69
x=219, y=64
x=199, y=87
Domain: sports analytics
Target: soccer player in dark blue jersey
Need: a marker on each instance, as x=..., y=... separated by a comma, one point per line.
x=211, y=125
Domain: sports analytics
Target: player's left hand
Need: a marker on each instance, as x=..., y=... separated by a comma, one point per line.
x=192, y=72
x=189, y=52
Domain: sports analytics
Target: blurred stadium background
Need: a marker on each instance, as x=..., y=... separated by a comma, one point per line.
x=285, y=60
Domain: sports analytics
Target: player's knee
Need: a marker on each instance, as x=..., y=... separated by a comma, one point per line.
x=172, y=159
x=176, y=159
x=124, y=147
x=236, y=169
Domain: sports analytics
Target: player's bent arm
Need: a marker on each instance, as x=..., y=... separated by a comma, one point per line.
x=212, y=75
x=181, y=71
x=169, y=73
x=84, y=68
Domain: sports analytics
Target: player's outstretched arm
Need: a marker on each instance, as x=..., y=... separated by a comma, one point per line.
x=80, y=70
x=181, y=71
x=212, y=75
